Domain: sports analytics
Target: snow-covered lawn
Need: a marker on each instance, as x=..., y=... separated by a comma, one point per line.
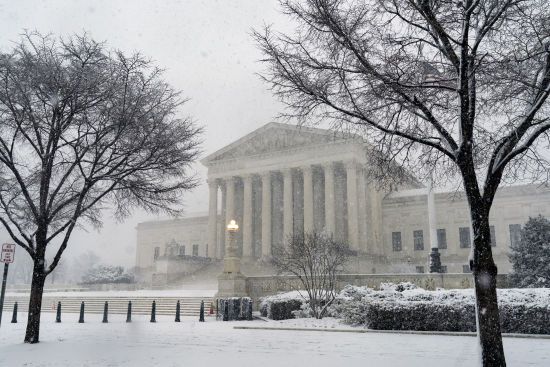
x=216, y=343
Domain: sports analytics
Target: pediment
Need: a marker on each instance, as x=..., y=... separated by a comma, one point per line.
x=273, y=137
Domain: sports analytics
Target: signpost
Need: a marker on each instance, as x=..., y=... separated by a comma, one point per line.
x=7, y=256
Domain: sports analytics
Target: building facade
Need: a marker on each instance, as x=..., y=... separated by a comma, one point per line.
x=281, y=180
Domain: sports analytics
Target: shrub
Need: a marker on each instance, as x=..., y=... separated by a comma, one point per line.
x=521, y=310
x=281, y=307
x=530, y=257
x=283, y=310
x=401, y=307
x=104, y=274
x=423, y=316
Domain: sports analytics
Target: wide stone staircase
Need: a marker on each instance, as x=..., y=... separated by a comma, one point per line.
x=190, y=306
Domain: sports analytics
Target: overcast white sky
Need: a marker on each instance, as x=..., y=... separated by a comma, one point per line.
x=206, y=47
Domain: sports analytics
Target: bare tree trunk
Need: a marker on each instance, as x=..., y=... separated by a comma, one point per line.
x=35, y=303
x=485, y=279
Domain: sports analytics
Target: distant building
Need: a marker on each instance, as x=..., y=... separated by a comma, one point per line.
x=317, y=180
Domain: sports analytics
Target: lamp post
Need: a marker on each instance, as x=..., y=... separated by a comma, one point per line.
x=231, y=283
x=434, y=257
x=232, y=263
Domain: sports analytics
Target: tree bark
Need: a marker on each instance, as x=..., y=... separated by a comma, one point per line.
x=35, y=303
x=485, y=279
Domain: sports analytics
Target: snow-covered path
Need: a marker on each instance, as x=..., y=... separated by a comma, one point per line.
x=212, y=343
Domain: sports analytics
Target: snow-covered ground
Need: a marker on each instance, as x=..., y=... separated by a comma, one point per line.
x=216, y=343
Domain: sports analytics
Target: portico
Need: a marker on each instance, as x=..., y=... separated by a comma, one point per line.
x=281, y=180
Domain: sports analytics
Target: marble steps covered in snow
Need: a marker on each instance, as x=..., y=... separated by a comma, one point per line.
x=190, y=306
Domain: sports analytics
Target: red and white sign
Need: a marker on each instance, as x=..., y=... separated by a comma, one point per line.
x=8, y=253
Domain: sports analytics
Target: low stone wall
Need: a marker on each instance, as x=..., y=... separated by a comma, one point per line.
x=267, y=285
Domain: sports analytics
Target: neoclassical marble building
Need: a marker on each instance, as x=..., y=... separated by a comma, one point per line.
x=282, y=179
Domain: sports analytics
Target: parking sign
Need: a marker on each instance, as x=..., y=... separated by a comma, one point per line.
x=8, y=253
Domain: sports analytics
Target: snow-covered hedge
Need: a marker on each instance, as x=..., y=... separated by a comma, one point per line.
x=405, y=307
x=106, y=274
x=281, y=306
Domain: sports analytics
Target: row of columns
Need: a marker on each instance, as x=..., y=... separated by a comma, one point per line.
x=288, y=220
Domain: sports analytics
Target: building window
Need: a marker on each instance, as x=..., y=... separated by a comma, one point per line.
x=493, y=236
x=443, y=268
x=195, y=250
x=464, y=236
x=442, y=238
x=157, y=253
x=181, y=250
x=418, y=239
x=466, y=269
x=419, y=269
x=396, y=241
x=515, y=234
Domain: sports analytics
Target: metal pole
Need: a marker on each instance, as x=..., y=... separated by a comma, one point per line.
x=4, y=279
x=434, y=259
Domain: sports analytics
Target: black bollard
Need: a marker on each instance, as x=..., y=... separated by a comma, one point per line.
x=217, y=309
x=201, y=316
x=225, y=307
x=58, y=313
x=14, y=316
x=178, y=312
x=153, y=312
x=249, y=311
x=105, y=312
x=129, y=313
x=81, y=318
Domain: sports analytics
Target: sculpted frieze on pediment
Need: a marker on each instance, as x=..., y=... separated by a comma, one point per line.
x=273, y=141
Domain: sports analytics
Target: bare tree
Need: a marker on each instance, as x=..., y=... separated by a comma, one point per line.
x=315, y=259
x=83, y=128
x=457, y=86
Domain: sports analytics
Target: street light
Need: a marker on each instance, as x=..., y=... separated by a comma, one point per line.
x=232, y=262
x=231, y=283
x=232, y=227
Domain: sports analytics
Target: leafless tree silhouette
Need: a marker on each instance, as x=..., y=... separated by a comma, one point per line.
x=315, y=259
x=83, y=128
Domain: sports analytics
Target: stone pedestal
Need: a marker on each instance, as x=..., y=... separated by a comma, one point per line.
x=231, y=285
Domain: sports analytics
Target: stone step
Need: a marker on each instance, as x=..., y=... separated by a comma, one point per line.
x=117, y=305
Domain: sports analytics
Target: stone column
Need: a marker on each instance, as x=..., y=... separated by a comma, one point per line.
x=288, y=214
x=330, y=213
x=247, y=216
x=352, y=201
x=213, y=219
x=221, y=229
x=266, y=215
x=229, y=205
x=308, y=199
